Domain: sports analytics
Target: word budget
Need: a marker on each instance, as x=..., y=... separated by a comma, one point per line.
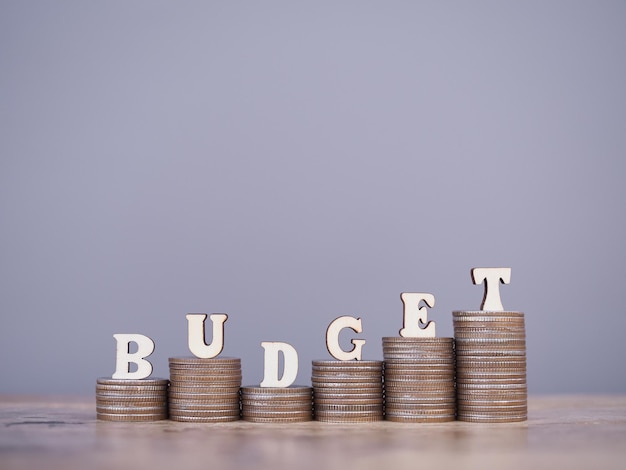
x=478, y=376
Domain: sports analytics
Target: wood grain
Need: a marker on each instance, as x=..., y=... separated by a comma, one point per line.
x=562, y=432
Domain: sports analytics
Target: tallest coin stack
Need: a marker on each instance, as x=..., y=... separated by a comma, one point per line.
x=491, y=366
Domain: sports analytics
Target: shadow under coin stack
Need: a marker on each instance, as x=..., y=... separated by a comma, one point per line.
x=347, y=391
x=419, y=379
x=204, y=390
x=292, y=404
x=491, y=366
x=131, y=400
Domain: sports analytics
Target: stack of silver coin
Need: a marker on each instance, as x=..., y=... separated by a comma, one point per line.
x=347, y=391
x=292, y=404
x=491, y=366
x=419, y=379
x=204, y=390
x=131, y=400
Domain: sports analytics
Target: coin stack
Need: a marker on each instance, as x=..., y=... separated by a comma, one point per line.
x=347, y=391
x=131, y=400
x=419, y=379
x=292, y=404
x=491, y=366
x=204, y=390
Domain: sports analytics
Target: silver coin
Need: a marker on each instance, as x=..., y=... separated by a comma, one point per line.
x=150, y=382
x=346, y=375
x=434, y=372
x=420, y=346
x=495, y=395
x=276, y=401
x=419, y=400
x=496, y=374
x=343, y=369
x=206, y=378
x=348, y=396
x=440, y=378
x=487, y=313
x=253, y=408
x=500, y=387
x=461, y=379
x=175, y=413
x=130, y=389
x=364, y=401
x=421, y=406
x=205, y=406
x=480, y=341
x=435, y=352
x=487, y=323
x=463, y=408
x=348, y=419
x=391, y=386
x=403, y=339
x=131, y=417
x=477, y=419
x=204, y=396
x=501, y=353
x=278, y=419
x=308, y=414
x=130, y=403
x=480, y=360
x=345, y=407
x=322, y=382
x=417, y=367
x=437, y=348
x=348, y=414
x=419, y=412
x=221, y=361
x=493, y=413
x=347, y=364
x=204, y=419
x=206, y=366
x=252, y=404
x=517, y=326
x=131, y=397
x=291, y=390
x=219, y=365
x=420, y=419
x=132, y=410
x=417, y=357
x=469, y=368
x=348, y=386
x=209, y=387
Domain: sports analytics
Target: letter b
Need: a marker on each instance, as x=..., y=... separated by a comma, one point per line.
x=145, y=347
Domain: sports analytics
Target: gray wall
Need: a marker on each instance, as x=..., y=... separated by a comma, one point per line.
x=288, y=163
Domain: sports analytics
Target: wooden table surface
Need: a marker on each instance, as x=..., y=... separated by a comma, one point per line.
x=562, y=432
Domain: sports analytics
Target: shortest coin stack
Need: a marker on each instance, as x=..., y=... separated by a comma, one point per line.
x=419, y=379
x=347, y=391
x=131, y=400
x=292, y=404
x=204, y=390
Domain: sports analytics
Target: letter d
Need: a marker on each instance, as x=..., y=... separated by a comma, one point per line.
x=290, y=369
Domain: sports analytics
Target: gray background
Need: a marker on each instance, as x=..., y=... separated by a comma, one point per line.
x=288, y=163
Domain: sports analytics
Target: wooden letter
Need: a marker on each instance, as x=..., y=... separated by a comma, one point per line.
x=145, y=347
x=197, y=344
x=414, y=315
x=290, y=366
x=492, y=278
x=332, y=338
